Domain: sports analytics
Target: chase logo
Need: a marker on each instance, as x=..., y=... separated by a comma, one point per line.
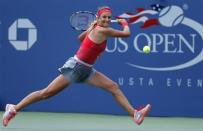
x=168, y=17
x=22, y=45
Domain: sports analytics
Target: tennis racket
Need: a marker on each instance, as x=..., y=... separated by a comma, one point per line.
x=81, y=20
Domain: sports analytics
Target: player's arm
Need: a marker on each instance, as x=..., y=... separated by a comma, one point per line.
x=118, y=33
x=81, y=37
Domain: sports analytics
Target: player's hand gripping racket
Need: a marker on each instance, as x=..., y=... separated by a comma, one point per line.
x=81, y=20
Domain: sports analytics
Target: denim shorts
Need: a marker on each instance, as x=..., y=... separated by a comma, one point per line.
x=75, y=71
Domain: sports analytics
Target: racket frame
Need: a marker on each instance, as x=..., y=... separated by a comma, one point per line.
x=87, y=12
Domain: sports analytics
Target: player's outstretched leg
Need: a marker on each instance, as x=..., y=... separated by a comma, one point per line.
x=57, y=85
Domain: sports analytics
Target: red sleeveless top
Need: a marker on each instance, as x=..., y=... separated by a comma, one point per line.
x=89, y=51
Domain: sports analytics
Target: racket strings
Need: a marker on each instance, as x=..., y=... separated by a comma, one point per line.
x=82, y=20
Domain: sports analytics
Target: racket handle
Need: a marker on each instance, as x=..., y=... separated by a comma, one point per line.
x=113, y=21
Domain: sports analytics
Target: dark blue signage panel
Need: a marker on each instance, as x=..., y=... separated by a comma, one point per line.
x=36, y=39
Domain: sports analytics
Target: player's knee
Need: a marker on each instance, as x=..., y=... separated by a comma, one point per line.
x=113, y=88
x=45, y=94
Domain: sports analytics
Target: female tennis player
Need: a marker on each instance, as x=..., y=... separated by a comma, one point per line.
x=79, y=69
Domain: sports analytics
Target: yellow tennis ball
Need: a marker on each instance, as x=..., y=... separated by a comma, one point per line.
x=146, y=49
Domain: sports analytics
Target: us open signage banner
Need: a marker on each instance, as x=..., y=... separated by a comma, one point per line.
x=36, y=39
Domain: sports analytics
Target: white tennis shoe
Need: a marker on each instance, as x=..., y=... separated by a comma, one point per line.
x=139, y=115
x=10, y=113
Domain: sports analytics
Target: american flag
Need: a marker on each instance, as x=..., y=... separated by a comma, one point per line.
x=143, y=15
x=157, y=7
